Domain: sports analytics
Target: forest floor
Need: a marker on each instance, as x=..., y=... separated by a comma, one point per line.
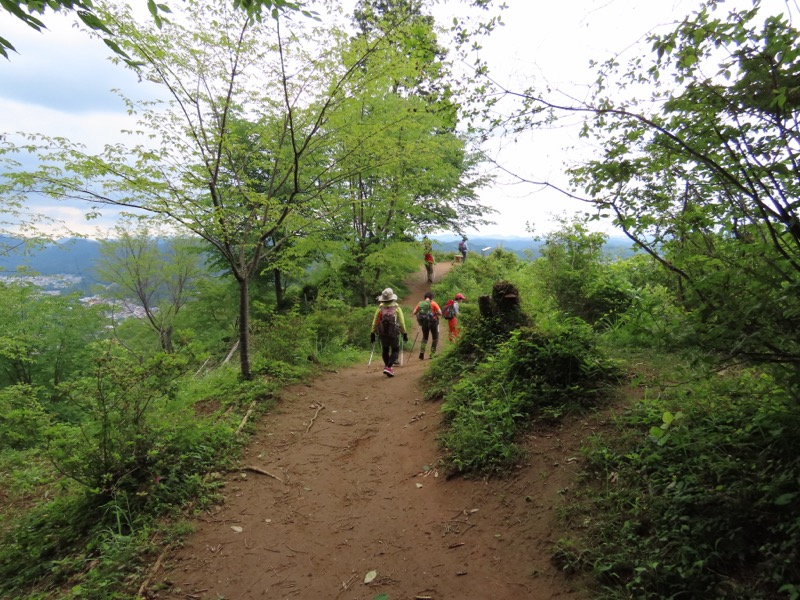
x=340, y=480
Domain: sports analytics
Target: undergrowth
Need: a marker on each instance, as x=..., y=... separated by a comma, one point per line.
x=87, y=501
x=496, y=383
x=694, y=495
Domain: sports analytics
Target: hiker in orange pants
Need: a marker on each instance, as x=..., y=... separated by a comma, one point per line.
x=450, y=312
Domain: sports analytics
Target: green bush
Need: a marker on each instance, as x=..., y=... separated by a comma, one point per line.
x=22, y=418
x=533, y=375
x=700, y=496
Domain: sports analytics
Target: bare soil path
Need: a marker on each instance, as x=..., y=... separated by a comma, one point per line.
x=349, y=485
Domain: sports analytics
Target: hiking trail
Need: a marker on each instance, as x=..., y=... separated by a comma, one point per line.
x=340, y=480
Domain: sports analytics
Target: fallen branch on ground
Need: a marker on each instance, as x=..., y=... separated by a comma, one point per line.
x=263, y=472
x=319, y=408
x=246, y=416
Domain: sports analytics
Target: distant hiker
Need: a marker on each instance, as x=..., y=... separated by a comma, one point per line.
x=450, y=312
x=428, y=313
x=389, y=324
x=429, y=262
x=462, y=247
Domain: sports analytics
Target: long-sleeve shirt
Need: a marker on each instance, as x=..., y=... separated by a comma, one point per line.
x=401, y=320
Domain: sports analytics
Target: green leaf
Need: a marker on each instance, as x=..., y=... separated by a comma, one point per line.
x=785, y=499
x=92, y=21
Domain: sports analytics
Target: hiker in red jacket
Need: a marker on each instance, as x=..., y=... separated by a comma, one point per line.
x=450, y=312
x=429, y=265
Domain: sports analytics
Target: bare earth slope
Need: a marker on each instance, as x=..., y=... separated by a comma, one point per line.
x=348, y=485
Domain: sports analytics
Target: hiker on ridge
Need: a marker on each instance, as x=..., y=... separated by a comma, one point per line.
x=428, y=313
x=389, y=324
x=450, y=312
x=429, y=265
x=463, y=248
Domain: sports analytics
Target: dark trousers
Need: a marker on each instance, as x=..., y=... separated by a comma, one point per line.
x=390, y=349
x=432, y=328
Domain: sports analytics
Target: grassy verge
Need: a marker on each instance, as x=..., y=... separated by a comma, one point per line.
x=692, y=494
x=89, y=502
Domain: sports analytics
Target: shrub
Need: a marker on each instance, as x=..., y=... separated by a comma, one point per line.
x=22, y=418
x=705, y=505
x=533, y=375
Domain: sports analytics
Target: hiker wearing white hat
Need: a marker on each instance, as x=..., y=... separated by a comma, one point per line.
x=389, y=324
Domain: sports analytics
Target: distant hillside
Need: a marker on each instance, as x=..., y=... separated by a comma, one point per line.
x=68, y=257
x=617, y=246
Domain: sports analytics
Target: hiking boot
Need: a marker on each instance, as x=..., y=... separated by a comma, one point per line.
x=421, y=355
x=389, y=372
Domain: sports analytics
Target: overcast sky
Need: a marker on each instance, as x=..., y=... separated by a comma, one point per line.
x=60, y=83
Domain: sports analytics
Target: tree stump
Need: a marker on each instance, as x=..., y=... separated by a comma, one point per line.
x=503, y=305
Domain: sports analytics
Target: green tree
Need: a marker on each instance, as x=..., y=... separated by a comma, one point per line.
x=222, y=70
x=576, y=273
x=698, y=166
x=707, y=182
x=27, y=11
x=411, y=173
x=158, y=274
x=43, y=338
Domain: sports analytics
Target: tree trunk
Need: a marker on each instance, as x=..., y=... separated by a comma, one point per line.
x=244, y=328
x=165, y=337
x=276, y=273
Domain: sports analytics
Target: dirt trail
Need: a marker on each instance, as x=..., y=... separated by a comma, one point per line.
x=351, y=488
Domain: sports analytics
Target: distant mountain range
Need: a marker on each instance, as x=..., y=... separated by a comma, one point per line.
x=78, y=256
x=525, y=247
x=65, y=257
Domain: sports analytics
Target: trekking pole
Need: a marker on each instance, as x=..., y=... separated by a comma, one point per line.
x=415, y=343
x=371, y=353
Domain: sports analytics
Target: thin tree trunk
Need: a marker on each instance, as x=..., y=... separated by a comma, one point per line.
x=278, y=288
x=244, y=329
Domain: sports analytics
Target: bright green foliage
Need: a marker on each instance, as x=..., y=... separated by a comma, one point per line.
x=43, y=339
x=580, y=278
x=22, y=418
x=707, y=180
x=406, y=170
x=157, y=275
x=532, y=374
x=711, y=503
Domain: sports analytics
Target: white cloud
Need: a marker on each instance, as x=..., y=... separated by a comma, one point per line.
x=60, y=84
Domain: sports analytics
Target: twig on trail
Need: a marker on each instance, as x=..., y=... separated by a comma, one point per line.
x=263, y=472
x=345, y=586
x=471, y=525
x=319, y=408
x=456, y=545
x=293, y=550
x=246, y=416
x=153, y=571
